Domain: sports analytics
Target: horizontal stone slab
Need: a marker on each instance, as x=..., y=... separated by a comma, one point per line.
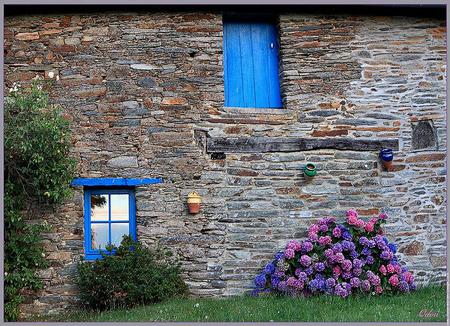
x=290, y=144
x=95, y=182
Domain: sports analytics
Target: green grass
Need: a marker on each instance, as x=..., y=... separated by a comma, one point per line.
x=400, y=308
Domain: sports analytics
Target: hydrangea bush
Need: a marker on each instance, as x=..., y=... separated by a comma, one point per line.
x=337, y=259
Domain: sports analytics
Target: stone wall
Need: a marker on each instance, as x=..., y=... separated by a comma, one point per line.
x=144, y=94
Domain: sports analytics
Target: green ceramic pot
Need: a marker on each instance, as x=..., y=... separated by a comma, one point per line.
x=310, y=170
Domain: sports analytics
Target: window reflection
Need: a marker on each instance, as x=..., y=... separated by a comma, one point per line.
x=118, y=230
x=99, y=235
x=99, y=207
x=119, y=207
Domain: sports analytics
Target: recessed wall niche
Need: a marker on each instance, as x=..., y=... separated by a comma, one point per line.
x=424, y=136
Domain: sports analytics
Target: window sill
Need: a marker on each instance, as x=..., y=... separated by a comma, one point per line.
x=278, y=111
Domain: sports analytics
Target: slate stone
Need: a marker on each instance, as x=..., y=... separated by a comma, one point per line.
x=146, y=82
x=323, y=113
x=114, y=86
x=123, y=162
x=423, y=136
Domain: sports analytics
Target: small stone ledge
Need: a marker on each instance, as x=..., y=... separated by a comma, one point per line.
x=287, y=144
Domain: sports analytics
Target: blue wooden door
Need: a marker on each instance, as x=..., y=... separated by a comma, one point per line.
x=251, y=65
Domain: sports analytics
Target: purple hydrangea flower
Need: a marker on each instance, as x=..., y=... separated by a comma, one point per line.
x=355, y=282
x=366, y=251
x=313, y=285
x=347, y=265
x=323, y=228
x=363, y=241
x=357, y=263
x=357, y=271
x=324, y=240
x=294, y=245
x=403, y=286
x=309, y=271
x=278, y=273
x=329, y=253
x=302, y=276
x=347, y=286
x=354, y=254
x=313, y=236
x=365, y=285
x=291, y=281
x=346, y=275
x=386, y=255
x=337, y=232
x=274, y=281
x=319, y=266
x=282, y=286
x=340, y=291
x=375, y=280
x=372, y=244
x=331, y=282
x=370, y=260
x=307, y=246
x=346, y=235
x=305, y=260
x=337, y=247
x=348, y=245
x=260, y=280
x=339, y=257
x=269, y=269
x=279, y=255
x=289, y=253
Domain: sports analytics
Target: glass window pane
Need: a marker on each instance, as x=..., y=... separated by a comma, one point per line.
x=99, y=207
x=118, y=230
x=99, y=235
x=119, y=207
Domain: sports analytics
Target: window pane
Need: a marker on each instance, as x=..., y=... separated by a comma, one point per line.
x=99, y=207
x=119, y=207
x=99, y=235
x=118, y=230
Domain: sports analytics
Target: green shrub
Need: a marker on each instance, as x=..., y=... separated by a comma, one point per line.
x=38, y=167
x=135, y=275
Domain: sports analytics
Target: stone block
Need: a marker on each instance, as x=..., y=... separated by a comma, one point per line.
x=123, y=162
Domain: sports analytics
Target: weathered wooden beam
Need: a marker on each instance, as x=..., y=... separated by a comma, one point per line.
x=289, y=144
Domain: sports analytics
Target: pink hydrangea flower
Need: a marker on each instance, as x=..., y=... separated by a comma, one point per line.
x=324, y=240
x=378, y=289
x=295, y=245
x=314, y=228
x=360, y=224
x=393, y=280
x=289, y=253
x=397, y=268
x=369, y=227
x=352, y=220
x=390, y=268
x=313, y=236
x=383, y=216
x=409, y=277
x=383, y=270
x=352, y=212
x=337, y=232
x=337, y=270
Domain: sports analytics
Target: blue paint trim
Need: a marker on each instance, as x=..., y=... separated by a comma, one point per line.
x=109, y=182
x=96, y=254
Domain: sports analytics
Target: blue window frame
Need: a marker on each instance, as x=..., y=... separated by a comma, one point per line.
x=109, y=213
x=251, y=63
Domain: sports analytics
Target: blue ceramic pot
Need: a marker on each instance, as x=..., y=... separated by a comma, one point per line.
x=386, y=154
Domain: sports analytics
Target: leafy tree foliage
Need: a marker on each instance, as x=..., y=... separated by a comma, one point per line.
x=38, y=168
